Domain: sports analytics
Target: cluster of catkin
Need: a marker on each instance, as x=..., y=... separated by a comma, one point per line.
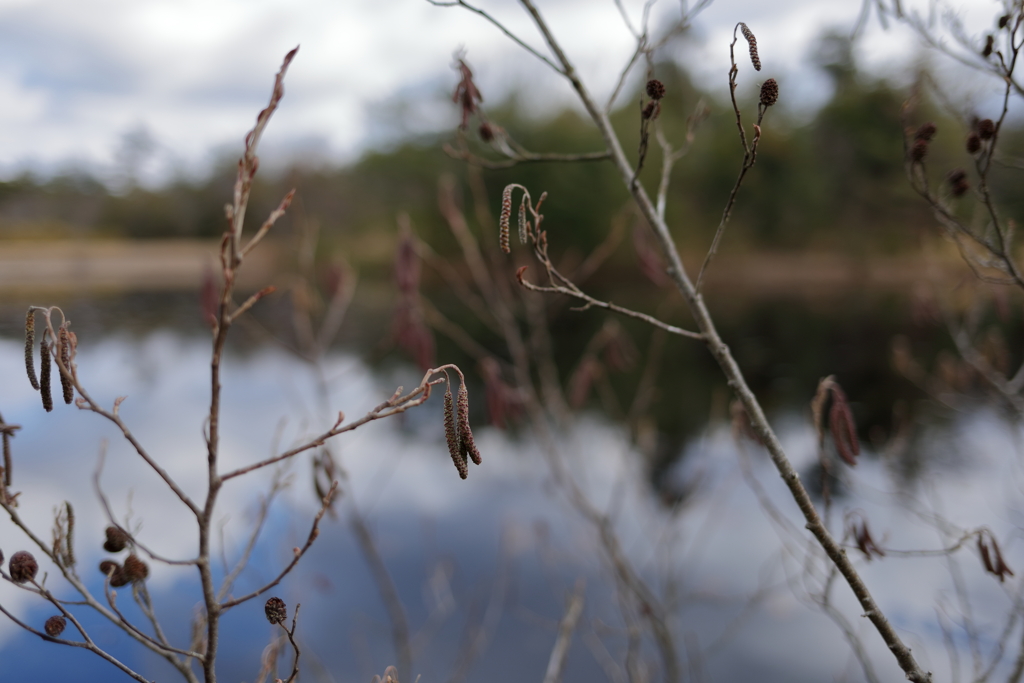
x=65, y=349
x=457, y=431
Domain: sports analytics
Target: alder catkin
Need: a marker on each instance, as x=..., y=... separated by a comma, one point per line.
x=769, y=92
x=276, y=610
x=467, y=447
x=30, y=342
x=55, y=626
x=44, y=376
x=506, y=215
x=117, y=539
x=451, y=434
x=64, y=349
x=22, y=567
x=755, y=59
x=522, y=220
x=134, y=569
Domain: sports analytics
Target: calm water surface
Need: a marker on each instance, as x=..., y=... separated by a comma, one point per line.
x=483, y=567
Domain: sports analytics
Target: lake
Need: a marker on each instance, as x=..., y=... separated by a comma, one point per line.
x=484, y=568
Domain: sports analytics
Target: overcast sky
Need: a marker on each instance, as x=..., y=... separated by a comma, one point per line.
x=186, y=77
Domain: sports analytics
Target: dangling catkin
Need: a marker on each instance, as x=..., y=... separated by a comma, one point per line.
x=506, y=215
x=44, y=376
x=752, y=41
x=65, y=359
x=522, y=220
x=466, y=443
x=451, y=434
x=30, y=342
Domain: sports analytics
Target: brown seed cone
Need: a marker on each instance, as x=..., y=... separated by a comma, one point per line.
x=651, y=110
x=467, y=447
x=989, y=43
x=65, y=358
x=1004, y=20
x=769, y=92
x=973, y=143
x=55, y=626
x=486, y=132
x=134, y=569
x=926, y=131
x=30, y=342
x=755, y=59
x=276, y=610
x=23, y=566
x=986, y=129
x=919, y=150
x=117, y=540
x=108, y=567
x=44, y=377
x=119, y=579
x=655, y=89
x=451, y=434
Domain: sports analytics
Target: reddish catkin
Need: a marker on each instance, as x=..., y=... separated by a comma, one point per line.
x=506, y=216
x=466, y=444
x=64, y=349
x=755, y=59
x=44, y=376
x=451, y=434
x=840, y=421
x=522, y=220
x=30, y=342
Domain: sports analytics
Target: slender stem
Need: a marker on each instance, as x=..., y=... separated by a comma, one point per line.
x=729, y=367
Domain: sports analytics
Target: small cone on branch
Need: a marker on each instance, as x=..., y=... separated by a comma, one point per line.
x=23, y=567
x=116, y=541
x=134, y=569
x=276, y=610
x=55, y=626
x=655, y=89
x=769, y=92
x=109, y=567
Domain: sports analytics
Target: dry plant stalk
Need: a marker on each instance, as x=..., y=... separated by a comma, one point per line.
x=707, y=331
x=58, y=349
